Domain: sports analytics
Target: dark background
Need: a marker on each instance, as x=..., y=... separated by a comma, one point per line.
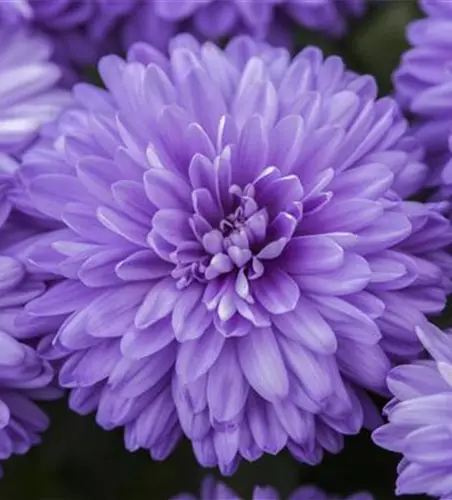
x=79, y=461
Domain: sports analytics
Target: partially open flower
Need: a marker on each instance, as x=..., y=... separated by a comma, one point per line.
x=420, y=418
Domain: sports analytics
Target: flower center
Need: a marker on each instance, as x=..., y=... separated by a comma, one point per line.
x=233, y=245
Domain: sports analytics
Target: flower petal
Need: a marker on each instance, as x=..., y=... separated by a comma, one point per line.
x=276, y=291
x=312, y=254
x=227, y=388
x=263, y=364
x=351, y=277
x=158, y=303
x=190, y=318
x=195, y=357
x=166, y=190
x=143, y=265
x=306, y=325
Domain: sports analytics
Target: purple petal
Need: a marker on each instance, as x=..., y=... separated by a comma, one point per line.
x=49, y=197
x=265, y=427
x=99, y=270
x=155, y=419
x=132, y=378
x=411, y=381
x=158, y=303
x=227, y=388
x=286, y=143
x=196, y=357
x=98, y=175
x=307, y=326
x=11, y=273
x=351, y=277
x=91, y=366
x=309, y=368
x=131, y=198
x=368, y=181
x=172, y=225
x=437, y=343
x=190, y=318
x=64, y=297
x=12, y=353
x=263, y=364
x=371, y=374
x=138, y=344
x=255, y=95
x=251, y=156
x=204, y=100
x=312, y=254
x=142, y=265
x=166, y=190
x=122, y=225
x=429, y=445
x=276, y=291
x=423, y=411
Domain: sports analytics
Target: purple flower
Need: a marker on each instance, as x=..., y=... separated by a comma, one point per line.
x=420, y=419
x=423, y=82
x=215, y=490
x=28, y=93
x=85, y=30
x=81, y=30
x=29, y=97
x=216, y=19
x=263, y=19
x=233, y=242
x=24, y=376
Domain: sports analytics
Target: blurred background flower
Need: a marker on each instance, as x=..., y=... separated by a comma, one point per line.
x=29, y=93
x=29, y=97
x=420, y=420
x=216, y=490
x=423, y=83
x=83, y=31
x=24, y=377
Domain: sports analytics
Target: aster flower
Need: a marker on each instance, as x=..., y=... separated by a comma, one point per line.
x=232, y=243
x=28, y=94
x=85, y=30
x=81, y=31
x=423, y=82
x=215, y=490
x=28, y=98
x=24, y=376
x=420, y=420
x=264, y=19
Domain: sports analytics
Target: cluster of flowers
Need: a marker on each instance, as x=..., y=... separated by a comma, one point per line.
x=223, y=243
